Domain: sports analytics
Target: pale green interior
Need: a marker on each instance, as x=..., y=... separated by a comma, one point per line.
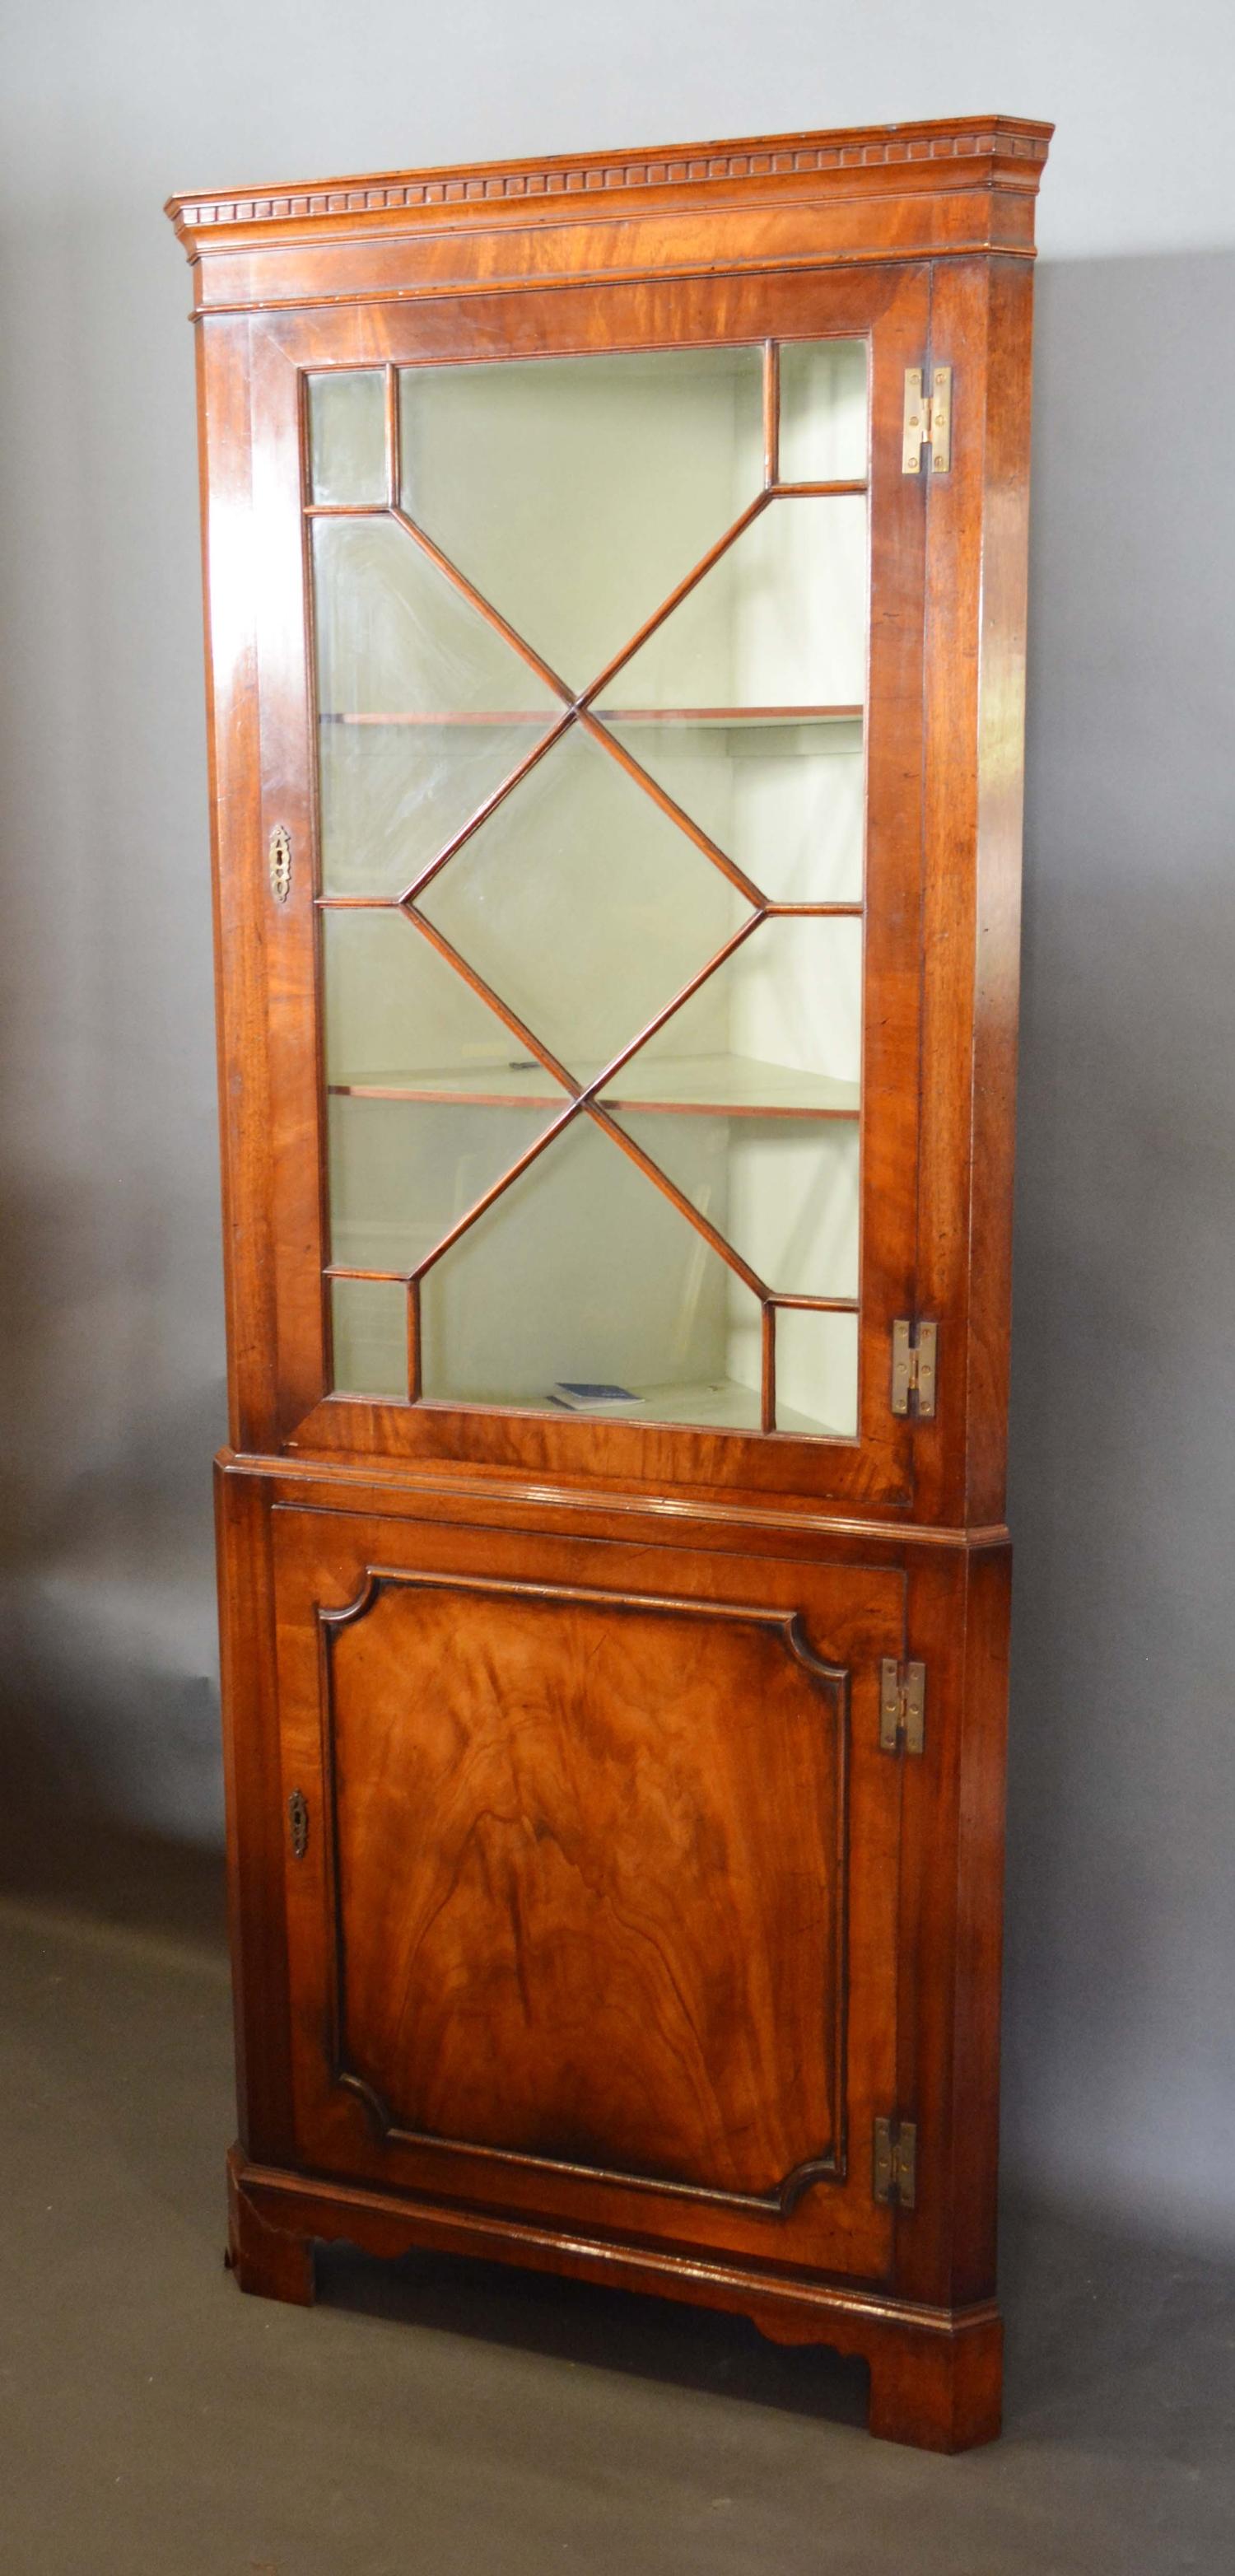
x=574, y=494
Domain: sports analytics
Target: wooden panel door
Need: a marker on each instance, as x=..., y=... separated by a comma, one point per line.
x=591, y=1879
x=590, y=656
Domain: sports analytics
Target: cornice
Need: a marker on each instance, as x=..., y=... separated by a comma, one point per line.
x=1014, y=148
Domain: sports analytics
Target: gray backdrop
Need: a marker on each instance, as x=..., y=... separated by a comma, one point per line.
x=1121, y=1963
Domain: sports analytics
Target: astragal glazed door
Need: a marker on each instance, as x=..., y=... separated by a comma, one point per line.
x=610, y=773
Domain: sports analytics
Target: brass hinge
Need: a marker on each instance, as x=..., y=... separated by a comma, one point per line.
x=927, y=420
x=298, y=1819
x=902, y=1706
x=894, y=2163
x=913, y=1367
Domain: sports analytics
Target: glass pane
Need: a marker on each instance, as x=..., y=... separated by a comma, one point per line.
x=583, y=1276
x=397, y=1015
x=423, y=709
x=779, y=621
x=347, y=437
x=822, y=411
x=403, y=1172
x=369, y=1331
x=782, y=1191
x=816, y=1372
x=393, y=796
x=778, y=1026
x=786, y=801
x=582, y=905
x=577, y=492
x=395, y=638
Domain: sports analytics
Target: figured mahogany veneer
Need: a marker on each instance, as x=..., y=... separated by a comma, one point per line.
x=585, y=1911
x=537, y=1889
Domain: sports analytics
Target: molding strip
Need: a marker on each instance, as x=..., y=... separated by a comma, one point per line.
x=674, y=166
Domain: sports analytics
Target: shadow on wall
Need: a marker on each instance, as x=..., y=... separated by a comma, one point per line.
x=107, y=1615
x=110, y=1303
x=109, y=1746
x=1120, y=2032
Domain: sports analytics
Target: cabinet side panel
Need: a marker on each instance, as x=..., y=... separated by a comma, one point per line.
x=979, y=1929
x=223, y=352
x=976, y=556
x=950, y=1926
x=254, y=1818
x=1001, y=756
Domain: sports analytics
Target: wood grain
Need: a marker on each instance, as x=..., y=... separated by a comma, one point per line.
x=634, y=1822
x=878, y=1465
x=1019, y=142
x=615, y=1929
x=935, y=2373
x=590, y=1880
x=913, y=191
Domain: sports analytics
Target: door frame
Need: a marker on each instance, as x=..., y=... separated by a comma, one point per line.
x=287, y=1308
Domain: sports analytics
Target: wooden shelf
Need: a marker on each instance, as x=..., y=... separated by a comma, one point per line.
x=721, y=1407
x=703, y=716
x=700, y=1086
x=715, y=1405
x=544, y=718
x=730, y=1086
x=490, y=1086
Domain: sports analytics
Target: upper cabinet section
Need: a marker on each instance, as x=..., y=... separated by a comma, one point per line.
x=899, y=191
x=616, y=759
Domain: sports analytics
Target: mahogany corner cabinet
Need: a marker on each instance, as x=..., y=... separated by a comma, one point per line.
x=616, y=590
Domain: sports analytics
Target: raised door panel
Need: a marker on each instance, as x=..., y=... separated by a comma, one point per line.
x=591, y=1879
x=560, y=1930
x=594, y=993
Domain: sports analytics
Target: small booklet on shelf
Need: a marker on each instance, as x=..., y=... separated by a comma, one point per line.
x=581, y=1395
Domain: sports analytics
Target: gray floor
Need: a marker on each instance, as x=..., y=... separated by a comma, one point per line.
x=457, y=2421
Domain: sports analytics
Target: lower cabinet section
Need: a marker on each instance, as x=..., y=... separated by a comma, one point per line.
x=584, y=1921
